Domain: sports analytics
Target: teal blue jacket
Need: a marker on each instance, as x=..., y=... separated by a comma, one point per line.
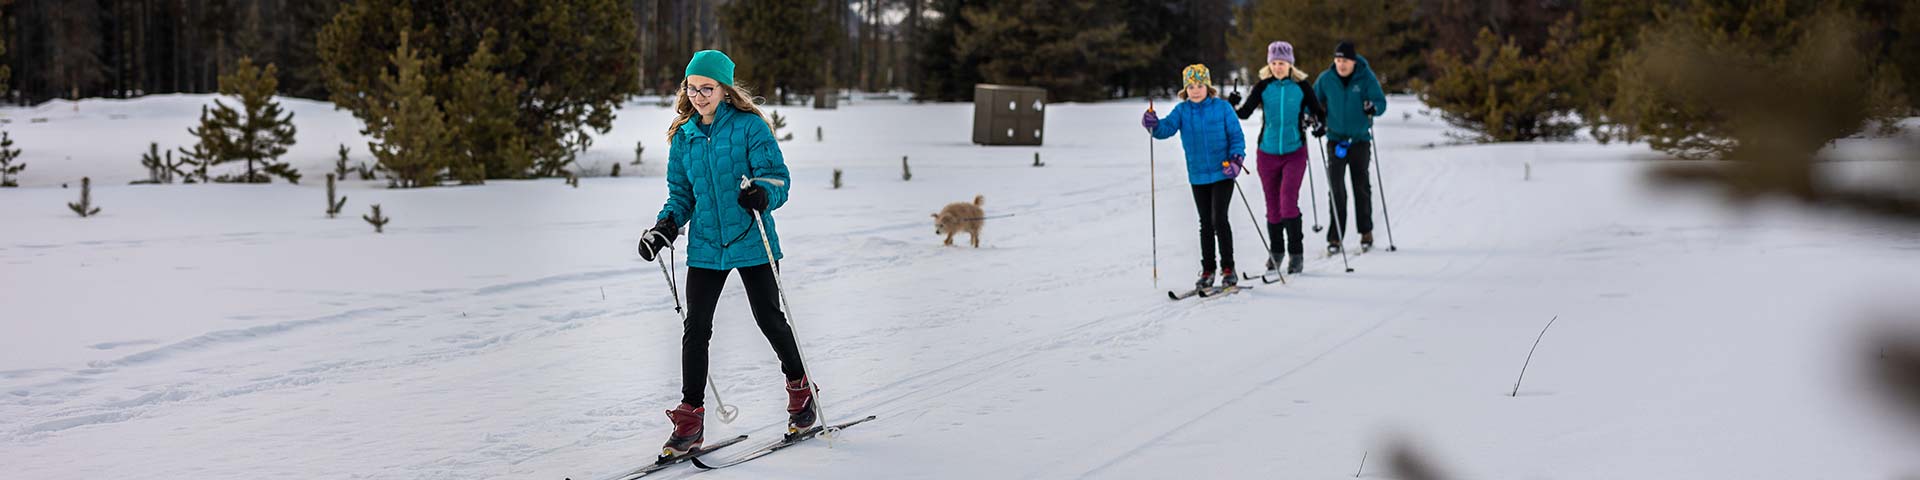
x=1345, y=99
x=1285, y=102
x=704, y=168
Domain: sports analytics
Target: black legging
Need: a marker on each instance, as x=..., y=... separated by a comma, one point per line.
x=1358, y=156
x=1212, y=201
x=703, y=292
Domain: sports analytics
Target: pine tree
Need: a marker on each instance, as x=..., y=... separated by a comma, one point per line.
x=379, y=221
x=85, y=207
x=944, y=74
x=257, y=133
x=6, y=72
x=73, y=64
x=1069, y=47
x=1504, y=94
x=1386, y=32
x=263, y=133
x=482, y=113
x=569, y=64
x=8, y=155
x=1180, y=25
x=340, y=164
x=412, y=141
x=160, y=169
x=334, y=204
x=779, y=44
x=1673, y=90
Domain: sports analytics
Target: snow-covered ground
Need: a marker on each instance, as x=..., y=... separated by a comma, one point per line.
x=508, y=331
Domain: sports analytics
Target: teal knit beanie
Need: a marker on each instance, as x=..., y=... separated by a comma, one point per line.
x=711, y=64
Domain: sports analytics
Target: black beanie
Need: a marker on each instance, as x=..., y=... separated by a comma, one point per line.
x=1345, y=50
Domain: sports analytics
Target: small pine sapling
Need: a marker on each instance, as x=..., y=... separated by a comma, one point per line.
x=379, y=221
x=333, y=205
x=340, y=165
x=8, y=154
x=779, y=123
x=85, y=208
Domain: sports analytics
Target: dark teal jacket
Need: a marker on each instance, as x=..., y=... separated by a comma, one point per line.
x=1345, y=98
x=704, y=169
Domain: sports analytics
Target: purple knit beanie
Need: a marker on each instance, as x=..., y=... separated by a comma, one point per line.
x=1280, y=51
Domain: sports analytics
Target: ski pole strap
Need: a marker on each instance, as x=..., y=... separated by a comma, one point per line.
x=745, y=181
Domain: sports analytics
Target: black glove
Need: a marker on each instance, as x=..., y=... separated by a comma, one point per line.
x=754, y=198
x=1367, y=107
x=1319, y=129
x=658, y=237
x=1233, y=98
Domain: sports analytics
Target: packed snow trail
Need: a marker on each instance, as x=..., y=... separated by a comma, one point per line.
x=508, y=331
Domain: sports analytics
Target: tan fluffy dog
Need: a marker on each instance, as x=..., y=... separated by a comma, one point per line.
x=960, y=217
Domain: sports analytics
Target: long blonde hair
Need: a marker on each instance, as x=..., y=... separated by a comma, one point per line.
x=1266, y=72
x=737, y=95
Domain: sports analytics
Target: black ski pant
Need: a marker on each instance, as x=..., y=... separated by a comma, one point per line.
x=1359, y=156
x=703, y=293
x=1213, y=200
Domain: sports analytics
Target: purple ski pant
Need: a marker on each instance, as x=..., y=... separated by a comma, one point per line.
x=1280, y=177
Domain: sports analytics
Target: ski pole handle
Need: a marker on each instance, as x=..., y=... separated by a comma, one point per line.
x=747, y=182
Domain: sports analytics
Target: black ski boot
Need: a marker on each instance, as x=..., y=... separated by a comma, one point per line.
x=1228, y=278
x=1278, y=232
x=1206, y=280
x=1296, y=244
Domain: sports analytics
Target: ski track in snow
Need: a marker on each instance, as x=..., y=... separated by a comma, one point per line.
x=1046, y=344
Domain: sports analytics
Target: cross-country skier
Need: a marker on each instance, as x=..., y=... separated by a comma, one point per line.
x=718, y=137
x=1215, y=150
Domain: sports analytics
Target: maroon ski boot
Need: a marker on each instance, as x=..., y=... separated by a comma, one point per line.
x=688, y=431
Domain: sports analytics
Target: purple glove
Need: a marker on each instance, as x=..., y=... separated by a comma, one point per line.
x=1149, y=120
x=1234, y=165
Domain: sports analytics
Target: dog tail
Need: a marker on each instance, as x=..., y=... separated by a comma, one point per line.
x=977, y=199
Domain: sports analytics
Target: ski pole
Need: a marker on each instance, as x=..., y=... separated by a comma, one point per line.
x=1326, y=160
x=1153, y=199
x=1263, y=234
x=1311, y=187
x=727, y=412
x=1381, y=178
x=787, y=310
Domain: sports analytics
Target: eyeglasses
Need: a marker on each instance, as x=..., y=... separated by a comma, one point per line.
x=706, y=91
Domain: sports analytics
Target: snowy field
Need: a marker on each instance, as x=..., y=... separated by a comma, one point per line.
x=509, y=331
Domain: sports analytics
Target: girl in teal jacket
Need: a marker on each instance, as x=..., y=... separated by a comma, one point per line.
x=718, y=139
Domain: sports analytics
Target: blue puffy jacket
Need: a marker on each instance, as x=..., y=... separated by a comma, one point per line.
x=704, y=168
x=1209, y=133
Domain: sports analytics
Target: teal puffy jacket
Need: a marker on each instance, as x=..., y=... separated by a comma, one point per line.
x=704, y=168
x=1345, y=99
